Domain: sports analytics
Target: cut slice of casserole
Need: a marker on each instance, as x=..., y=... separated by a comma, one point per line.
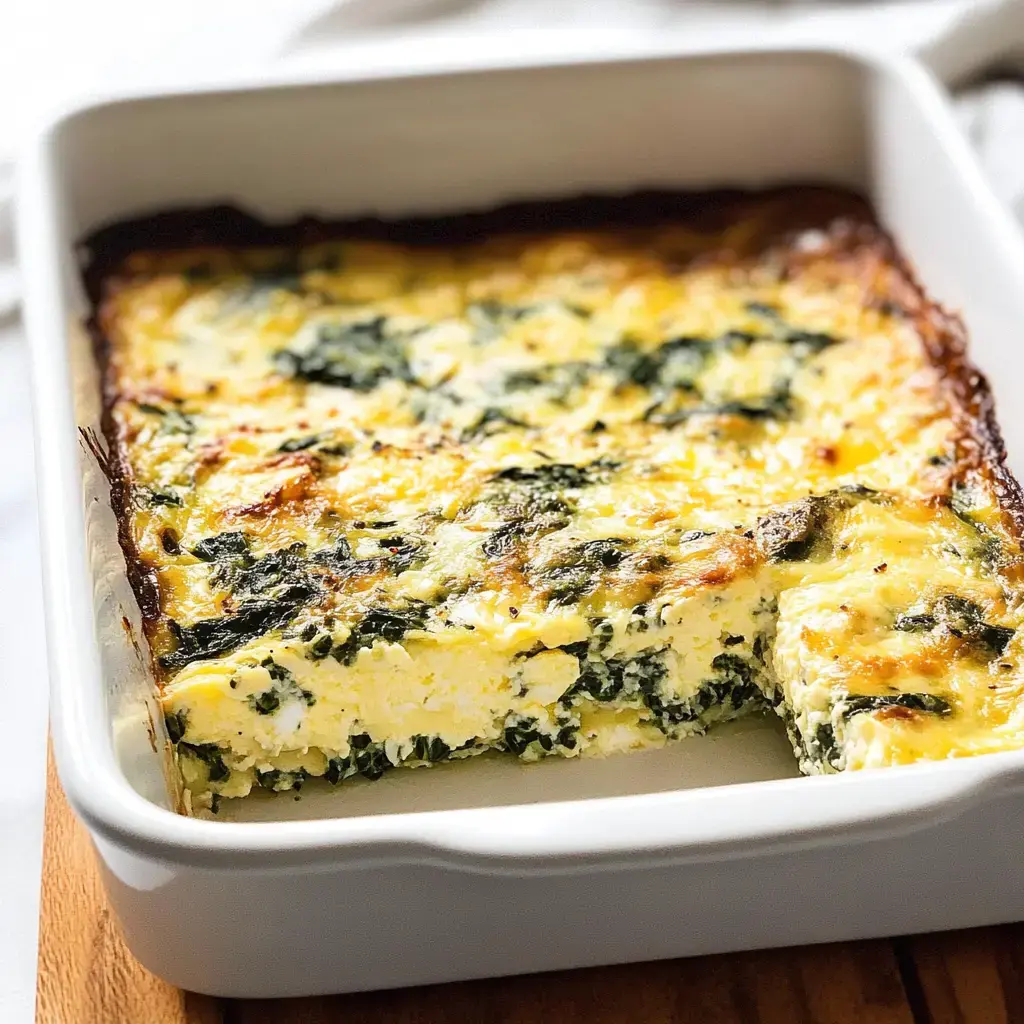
x=573, y=478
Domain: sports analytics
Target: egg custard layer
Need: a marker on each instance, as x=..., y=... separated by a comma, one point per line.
x=391, y=496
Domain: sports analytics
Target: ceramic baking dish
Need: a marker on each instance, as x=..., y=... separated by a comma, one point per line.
x=493, y=868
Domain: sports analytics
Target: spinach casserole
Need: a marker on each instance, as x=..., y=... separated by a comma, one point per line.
x=566, y=479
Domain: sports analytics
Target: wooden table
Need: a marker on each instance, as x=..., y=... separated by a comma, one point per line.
x=86, y=976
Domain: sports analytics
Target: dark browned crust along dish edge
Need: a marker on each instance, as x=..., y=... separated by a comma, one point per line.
x=793, y=208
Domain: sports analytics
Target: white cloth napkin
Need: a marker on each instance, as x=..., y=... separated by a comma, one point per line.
x=51, y=50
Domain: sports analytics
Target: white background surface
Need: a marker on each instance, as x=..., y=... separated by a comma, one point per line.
x=50, y=50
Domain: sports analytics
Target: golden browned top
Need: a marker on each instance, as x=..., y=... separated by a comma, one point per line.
x=358, y=438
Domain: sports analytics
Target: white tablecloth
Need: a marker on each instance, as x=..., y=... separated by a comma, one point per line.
x=52, y=49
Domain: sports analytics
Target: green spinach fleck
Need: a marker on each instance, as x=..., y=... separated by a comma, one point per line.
x=279, y=780
x=575, y=571
x=386, y=624
x=284, y=688
x=223, y=546
x=209, y=754
x=338, y=768
x=430, y=748
x=174, y=420
x=961, y=618
x=157, y=498
x=359, y=356
x=559, y=475
x=210, y=638
x=176, y=723
x=929, y=703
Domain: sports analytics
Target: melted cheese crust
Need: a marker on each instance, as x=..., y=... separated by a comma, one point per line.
x=565, y=494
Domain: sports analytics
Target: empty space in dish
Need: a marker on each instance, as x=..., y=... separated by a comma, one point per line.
x=748, y=750
x=471, y=140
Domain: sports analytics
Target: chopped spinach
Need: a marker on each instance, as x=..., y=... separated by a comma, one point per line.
x=760, y=647
x=265, y=703
x=300, y=444
x=641, y=678
x=536, y=517
x=278, y=780
x=490, y=421
x=489, y=318
x=387, y=624
x=600, y=680
x=317, y=442
x=508, y=536
x=522, y=380
x=210, y=638
x=321, y=646
x=174, y=420
x=176, y=723
x=961, y=618
x=339, y=448
x=732, y=687
x=962, y=501
x=763, y=309
x=223, y=546
x=822, y=747
x=430, y=748
x=926, y=702
x=282, y=574
x=359, y=356
x=209, y=754
x=338, y=768
x=370, y=760
x=401, y=555
x=285, y=688
x=915, y=622
x=270, y=589
x=604, y=679
x=521, y=732
x=734, y=683
x=674, y=364
x=808, y=343
x=642, y=617
x=575, y=571
x=559, y=475
x=156, y=498
x=603, y=633
x=522, y=495
x=776, y=404
x=552, y=382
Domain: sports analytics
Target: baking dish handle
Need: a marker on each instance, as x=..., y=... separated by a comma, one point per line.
x=757, y=818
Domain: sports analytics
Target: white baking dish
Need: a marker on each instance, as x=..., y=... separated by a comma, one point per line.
x=496, y=868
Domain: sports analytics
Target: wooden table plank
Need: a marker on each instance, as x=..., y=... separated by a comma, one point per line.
x=844, y=984
x=969, y=976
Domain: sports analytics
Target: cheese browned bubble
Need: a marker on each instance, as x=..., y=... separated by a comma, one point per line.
x=572, y=493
